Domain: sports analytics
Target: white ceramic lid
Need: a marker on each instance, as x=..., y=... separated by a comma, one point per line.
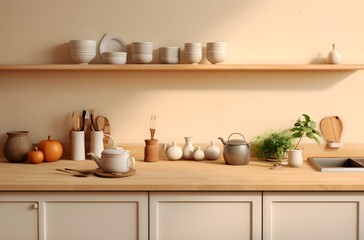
x=114, y=151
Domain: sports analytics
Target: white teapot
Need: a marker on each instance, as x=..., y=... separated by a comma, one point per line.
x=114, y=160
x=173, y=152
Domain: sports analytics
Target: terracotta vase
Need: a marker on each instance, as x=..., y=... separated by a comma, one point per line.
x=17, y=146
x=151, y=150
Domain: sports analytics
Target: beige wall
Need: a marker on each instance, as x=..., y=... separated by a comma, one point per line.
x=203, y=105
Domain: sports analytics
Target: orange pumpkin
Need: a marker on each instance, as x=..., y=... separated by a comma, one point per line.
x=52, y=149
x=35, y=156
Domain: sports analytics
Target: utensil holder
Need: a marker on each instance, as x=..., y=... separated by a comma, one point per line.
x=151, y=150
x=78, y=145
x=97, y=142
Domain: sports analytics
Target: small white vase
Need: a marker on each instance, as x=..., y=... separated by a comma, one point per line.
x=198, y=154
x=173, y=152
x=295, y=158
x=188, y=149
x=334, y=57
x=212, y=152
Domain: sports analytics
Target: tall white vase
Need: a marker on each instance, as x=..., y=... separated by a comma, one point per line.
x=188, y=149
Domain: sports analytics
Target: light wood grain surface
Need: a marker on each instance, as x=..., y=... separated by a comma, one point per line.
x=181, y=67
x=181, y=175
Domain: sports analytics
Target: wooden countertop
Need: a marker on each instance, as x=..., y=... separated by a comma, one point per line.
x=179, y=175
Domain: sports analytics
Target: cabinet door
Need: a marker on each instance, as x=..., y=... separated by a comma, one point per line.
x=108, y=216
x=303, y=216
x=18, y=220
x=212, y=216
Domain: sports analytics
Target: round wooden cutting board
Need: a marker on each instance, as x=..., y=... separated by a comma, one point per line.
x=331, y=128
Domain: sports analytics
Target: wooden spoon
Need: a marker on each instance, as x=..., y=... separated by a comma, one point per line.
x=100, y=123
x=75, y=121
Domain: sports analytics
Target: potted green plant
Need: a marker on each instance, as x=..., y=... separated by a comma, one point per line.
x=301, y=128
x=273, y=146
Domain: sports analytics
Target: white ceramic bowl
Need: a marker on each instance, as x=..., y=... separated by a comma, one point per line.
x=142, y=58
x=193, y=58
x=114, y=60
x=114, y=54
x=82, y=58
x=170, y=60
x=216, y=57
x=114, y=57
x=75, y=43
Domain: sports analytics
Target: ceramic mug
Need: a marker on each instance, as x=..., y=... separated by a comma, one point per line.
x=117, y=164
x=295, y=158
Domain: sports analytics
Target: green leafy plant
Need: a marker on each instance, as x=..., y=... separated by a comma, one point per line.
x=273, y=145
x=307, y=128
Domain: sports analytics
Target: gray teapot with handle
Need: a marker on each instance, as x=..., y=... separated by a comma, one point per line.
x=236, y=151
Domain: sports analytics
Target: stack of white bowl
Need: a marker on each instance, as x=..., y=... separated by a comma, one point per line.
x=169, y=55
x=193, y=52
x=114, y=57
x=216, y=52
x=82, y=51
x=142, y=52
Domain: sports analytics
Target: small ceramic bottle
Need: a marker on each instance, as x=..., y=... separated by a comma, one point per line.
x=334, y=57
x=173, y=152
x=188, y=149
x=212, y=152
x=198, y=154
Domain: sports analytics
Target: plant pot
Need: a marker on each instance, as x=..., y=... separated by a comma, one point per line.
x=295, y=158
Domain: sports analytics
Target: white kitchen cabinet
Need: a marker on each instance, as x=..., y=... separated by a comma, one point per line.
x=313, y=215
x=18, y=220
x=73, y=215
x=205, y=215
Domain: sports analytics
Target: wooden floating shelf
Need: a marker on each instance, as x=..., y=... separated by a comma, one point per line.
x=181, y=67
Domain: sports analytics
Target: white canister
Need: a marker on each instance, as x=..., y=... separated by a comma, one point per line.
x=295, y=158
x=97, y=142
x=78, y=145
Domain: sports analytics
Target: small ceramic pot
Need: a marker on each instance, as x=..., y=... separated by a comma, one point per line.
x=173, y=152
x=295, y=158
x=198, y=154
x=212, y=152
x=17, y=146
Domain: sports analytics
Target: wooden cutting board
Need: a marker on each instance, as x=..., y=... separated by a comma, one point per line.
x=331, y=128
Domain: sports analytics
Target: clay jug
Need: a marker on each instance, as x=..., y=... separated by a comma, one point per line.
x=151, y=150
x=17, y=146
